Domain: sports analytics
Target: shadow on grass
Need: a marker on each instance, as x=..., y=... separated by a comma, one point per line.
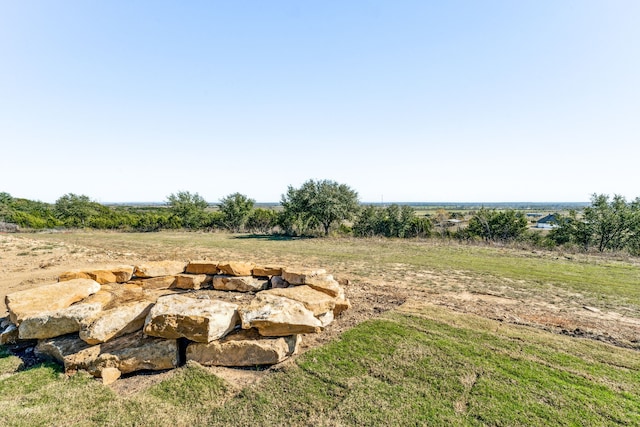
x=273, y=237
x=28, y=358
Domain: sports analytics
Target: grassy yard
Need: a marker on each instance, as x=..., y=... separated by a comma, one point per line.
x=419, y=364
x=604, y=282
x=424, y=366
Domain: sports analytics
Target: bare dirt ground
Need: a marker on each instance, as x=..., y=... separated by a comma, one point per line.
x=27, y=262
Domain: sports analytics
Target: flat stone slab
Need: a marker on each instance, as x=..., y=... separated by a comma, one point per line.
x=123, y=319
x=318, y=302
x=51, y=297
x=239, y=283
x=266, y=271
x=160, y=282
x=299, y=277
x=199, y=320
x=128, y=353
x=61, y=349
x=159, y=268
x=244, y=348
x=191, y=281
x=112, y=275
x=276, y=316
x=49, y=324
x=326, y=284
x=236, y=268
x=202, y=267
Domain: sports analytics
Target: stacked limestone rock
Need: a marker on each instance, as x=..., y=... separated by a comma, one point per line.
x=114, y=321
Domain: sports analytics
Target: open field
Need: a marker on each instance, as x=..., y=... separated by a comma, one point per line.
x=439, y=333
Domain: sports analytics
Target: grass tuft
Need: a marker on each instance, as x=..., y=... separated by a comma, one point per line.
x=192, y=385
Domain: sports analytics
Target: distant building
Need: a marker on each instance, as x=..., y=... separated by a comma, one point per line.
x=550, y=221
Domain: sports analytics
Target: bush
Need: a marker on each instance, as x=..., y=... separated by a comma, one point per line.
x=262, y=220
x=392, y=221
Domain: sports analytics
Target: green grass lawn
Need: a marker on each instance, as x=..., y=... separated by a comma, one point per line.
x=429, y=367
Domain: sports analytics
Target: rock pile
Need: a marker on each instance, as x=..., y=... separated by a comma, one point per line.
x=158, y=315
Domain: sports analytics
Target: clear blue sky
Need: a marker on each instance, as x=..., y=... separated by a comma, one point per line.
x=402, y=100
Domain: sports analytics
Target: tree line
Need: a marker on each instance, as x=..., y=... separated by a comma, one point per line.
x=320, y=208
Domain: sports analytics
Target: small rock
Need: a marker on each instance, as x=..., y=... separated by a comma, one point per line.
x=326, y=318
x=278, y=282
x=109, y=375
x=9, y=334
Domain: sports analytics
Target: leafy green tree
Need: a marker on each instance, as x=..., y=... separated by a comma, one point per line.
x=75, y=210
x=397, y=220
x=571, y=229
x=634, y=227
x=607, y=224
x=367, y=223
x=497, y=226
x=5, y=206
x=26, y=213
x=214, y=221
x=5, y=198
x=420, y=227
x=320, y=203
x=188, y=208
x=236, y=209
x=610, y=221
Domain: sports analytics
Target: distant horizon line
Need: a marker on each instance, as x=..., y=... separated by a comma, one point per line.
x=386, y=203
